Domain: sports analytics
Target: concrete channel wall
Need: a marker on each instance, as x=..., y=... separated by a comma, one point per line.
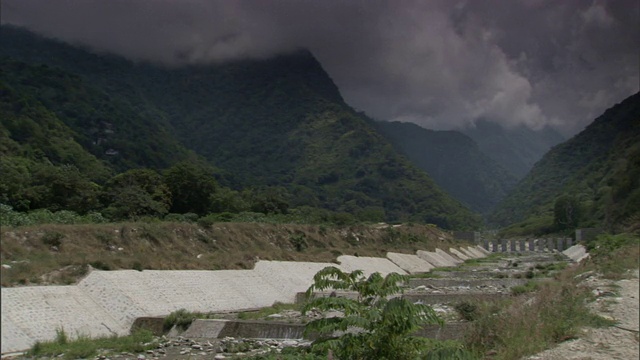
x=108, y=302
x=526, y=245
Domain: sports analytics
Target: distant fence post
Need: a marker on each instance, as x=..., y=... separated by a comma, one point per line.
x=550, y=244
x=512, y=245
x=560, y=244
x=486, y=243
x=504, y=245
x=569, y=242
x=532, y=245
x=495, y=245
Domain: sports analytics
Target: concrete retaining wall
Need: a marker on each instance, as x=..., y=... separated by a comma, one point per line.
x=108, y=302
x=459, y=254
x=368, y=265
x=445, y=255
x=434, y=259
x=410, y=263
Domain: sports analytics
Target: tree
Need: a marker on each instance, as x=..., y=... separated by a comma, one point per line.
x=566, y=212
x=136, y=193
x=191, y=186
x=268, y=199
x=375, y=325
x=63, y=188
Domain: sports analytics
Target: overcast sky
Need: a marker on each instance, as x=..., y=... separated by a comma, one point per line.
x=440, y=64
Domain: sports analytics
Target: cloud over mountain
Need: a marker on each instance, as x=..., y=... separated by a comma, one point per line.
x=441, y=64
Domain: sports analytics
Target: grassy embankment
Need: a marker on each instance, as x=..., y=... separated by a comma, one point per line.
x=60, y=254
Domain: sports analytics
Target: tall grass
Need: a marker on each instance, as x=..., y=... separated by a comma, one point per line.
x=84, y=347
x=528, y=324
x=613, y=255
x=546, y=313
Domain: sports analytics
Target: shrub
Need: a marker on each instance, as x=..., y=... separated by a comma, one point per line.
x=137, y=266
x=52, y=239
x=530, y=286
x=467, y=310
x=182, y=319
x=299, y=241
x=207, y=221
x=100, y=265
x=374, y=325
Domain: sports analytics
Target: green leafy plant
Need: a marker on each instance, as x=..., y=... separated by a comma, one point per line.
x=530, y=286
x=181, y=319
x=299, y=241
x=52, y=239
x=467, y=310
x=376, y=324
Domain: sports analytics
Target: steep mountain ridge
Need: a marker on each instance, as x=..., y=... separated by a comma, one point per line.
x=278, y=122
x=454, y=161
x=598, y=170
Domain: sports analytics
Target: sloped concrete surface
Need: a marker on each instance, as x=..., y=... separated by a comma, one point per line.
x=434, y=259
x=409, y=263
x=108, y=302
x=449, y=257
x=472, y=252
x=576, y=253
x=368, y=265
x=12, y=334
x=31, y=314
x=482, y=250
x=459, y=254
x=289, y=277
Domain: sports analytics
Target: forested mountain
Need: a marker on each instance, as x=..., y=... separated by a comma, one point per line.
x=279, y=125
x=516, y=149
x=454, y=161
x=591, y=179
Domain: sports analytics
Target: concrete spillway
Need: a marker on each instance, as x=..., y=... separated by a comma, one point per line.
x=108, y=302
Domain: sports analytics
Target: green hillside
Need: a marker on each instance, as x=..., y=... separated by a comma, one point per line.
x=454, y=161
x=591, y=179
x=276, y=127
x=515, y=149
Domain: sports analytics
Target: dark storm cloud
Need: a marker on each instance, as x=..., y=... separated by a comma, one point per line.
x=441, y=64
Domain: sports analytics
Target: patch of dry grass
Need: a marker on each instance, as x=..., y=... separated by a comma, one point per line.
x=32, y=258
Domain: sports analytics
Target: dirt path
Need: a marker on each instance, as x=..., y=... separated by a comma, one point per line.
x=612, y=343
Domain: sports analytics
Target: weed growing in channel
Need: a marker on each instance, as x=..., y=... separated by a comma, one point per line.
x=83, y=347
x=534, y=321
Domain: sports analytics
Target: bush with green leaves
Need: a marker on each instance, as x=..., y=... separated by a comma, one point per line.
x=377, y=324
x=10, y=217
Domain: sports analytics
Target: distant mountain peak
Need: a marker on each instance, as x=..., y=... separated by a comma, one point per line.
x=517, y=148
